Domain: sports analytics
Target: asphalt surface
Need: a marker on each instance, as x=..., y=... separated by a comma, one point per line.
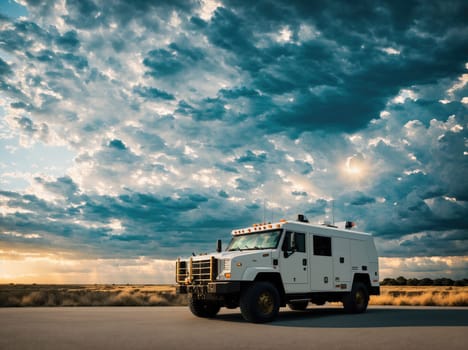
x=176, y=328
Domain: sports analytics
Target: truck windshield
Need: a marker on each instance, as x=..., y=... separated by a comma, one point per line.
x=257, y=240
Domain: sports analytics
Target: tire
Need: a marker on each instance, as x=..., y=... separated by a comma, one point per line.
x=298, y=305
x=260, y=303
x=357, y=300
x=203, y=308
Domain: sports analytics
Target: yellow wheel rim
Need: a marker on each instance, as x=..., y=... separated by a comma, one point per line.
x=359, y=298
x=266, y=303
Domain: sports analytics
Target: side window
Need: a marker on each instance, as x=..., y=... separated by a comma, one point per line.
x=322, y=246
x=300, y=242
x=299, y=239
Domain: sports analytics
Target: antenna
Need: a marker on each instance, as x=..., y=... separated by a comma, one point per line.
x=333, y=212
x=263, y=210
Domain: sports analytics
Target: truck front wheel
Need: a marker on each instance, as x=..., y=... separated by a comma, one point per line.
x=356, y=301
x=260, y=302
x=203, y=308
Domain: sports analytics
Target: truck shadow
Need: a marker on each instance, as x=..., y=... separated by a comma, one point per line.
x=373, y=318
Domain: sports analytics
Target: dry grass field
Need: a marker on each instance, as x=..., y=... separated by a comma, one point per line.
x=89, y=295
x=421, y=296
x=15, y=295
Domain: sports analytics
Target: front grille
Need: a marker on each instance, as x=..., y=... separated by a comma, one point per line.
x=196, y=271
x=182, y=271
x=202, y=271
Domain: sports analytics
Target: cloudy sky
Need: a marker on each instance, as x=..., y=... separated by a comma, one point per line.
x=132, y=132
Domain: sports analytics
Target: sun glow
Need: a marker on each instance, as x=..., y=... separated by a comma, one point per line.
x=355, y=166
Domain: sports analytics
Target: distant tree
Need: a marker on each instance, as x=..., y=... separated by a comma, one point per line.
x=443, y=282
x=412, y=282
x=401, y=281
x=389, y=282
x=426, y=282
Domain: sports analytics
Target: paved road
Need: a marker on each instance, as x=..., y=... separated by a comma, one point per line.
x=175, y=328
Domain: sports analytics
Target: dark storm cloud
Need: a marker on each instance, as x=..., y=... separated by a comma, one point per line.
x=409, y=208
x=153, y=93
x=238, y=92
x=149, y=141
x=231, y=32
x=207, y=109
x=425, y=244
x=359, y=198
x=162, y=63
x=68, y=41
x=317, y=208
x=63, y=186
x=342, y=78
x=79, y=62
x=90, y=14
x=147, y=218
x=21, y=35
x=4, y=68
x=171, y=60
x=150, y=221
x=227, y=168
x=117, y=144
x=250, y=157
x=32, y=129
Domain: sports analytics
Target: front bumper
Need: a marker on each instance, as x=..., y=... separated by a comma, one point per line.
x=218, y=288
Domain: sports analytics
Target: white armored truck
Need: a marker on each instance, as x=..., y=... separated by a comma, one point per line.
x=292, y=263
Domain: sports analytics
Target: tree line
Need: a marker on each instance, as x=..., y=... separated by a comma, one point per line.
x=402, y=281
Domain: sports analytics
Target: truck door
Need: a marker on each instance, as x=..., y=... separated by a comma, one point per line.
x=321, y=264
x=341, y=262
x=294, y=263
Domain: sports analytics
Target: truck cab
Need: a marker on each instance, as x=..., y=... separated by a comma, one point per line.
x=291, y=262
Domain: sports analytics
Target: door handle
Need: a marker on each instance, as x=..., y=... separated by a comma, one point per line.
x=304, y=262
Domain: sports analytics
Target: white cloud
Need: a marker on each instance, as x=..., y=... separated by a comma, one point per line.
x=284, y=35
x=391, y=51
x=421, y=267
x=207, y=9
x=405, y=94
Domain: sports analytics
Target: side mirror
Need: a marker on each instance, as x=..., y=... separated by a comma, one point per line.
x=289, y=245
x=292, y=241
x=219, y=246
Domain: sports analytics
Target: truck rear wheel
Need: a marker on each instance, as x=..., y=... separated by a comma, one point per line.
x=356, y=301
x=260, y=302
x=203, y=308
x=298, y=305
